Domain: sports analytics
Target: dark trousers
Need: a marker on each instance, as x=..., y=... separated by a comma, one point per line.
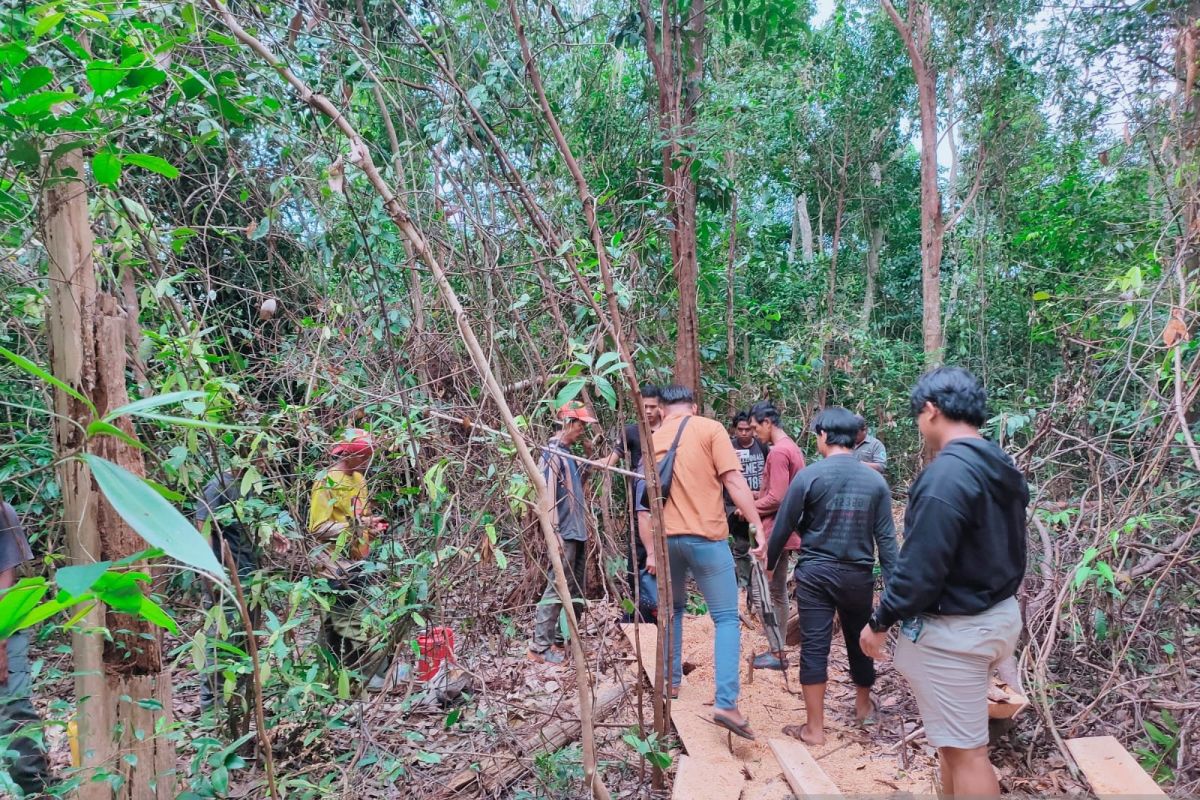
x=23, y=757
x=546, y=631
x=823, y=587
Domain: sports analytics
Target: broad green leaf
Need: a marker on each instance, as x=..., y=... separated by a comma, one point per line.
x=158, y=401
x=1040, y=296
x=569, y=392
x=33, y=369
x=103, y=75
x=38, y=104
x=146, y=77
x=606, y=390
x=264, y=227
x=33, y=79
x=80, y=578
x=102, y=428
x=106, y=168
x=153, y=613
x=47, y=23
x=152, y=163
x=25, y=152
x=17, y=602
x=155, y=520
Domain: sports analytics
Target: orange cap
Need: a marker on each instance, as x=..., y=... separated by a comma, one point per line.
x=575, y=410
x=357, y=442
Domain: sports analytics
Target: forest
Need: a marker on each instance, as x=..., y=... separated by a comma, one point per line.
x=243, y=244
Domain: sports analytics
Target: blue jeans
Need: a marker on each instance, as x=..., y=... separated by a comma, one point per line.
x=711, y=564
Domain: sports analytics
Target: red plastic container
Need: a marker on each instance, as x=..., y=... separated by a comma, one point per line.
x=437, y=646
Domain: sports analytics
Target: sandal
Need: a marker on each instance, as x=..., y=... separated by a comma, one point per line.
x=797, y=732
x=741, y=729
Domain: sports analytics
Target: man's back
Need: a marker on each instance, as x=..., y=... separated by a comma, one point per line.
x=842, y=509
x=704, y=454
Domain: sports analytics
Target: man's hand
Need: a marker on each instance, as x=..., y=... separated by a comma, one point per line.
x=872, y=643
x=651, y=567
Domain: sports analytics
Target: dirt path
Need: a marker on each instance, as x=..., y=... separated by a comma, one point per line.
x=854, y=759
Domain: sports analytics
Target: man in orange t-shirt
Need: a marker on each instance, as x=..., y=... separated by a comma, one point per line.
x=697, y=532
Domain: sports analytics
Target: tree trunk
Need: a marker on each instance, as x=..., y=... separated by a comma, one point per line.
x=730, y=359
x=122, y=695
x=806, y=233
x=874, y=246
x=917, y=34
x=678, y=93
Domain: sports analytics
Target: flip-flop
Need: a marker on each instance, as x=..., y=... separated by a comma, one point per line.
x=797, y=733
x=742, y=730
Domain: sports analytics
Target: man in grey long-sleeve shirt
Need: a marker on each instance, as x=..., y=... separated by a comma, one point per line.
x=842, y=510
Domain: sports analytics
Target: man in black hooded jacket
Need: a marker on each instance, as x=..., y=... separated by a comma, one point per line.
x=953, y=589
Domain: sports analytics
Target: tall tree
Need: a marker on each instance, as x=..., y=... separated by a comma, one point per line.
x=675, y=48
x=917, y=33
x=123, y=693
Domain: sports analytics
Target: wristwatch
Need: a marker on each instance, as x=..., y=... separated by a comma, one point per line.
x=874, y=624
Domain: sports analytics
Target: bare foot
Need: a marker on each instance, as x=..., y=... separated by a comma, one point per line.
x=866, y=710
x=802, y=733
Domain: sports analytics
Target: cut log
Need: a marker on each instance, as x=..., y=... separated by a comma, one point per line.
x=802, y=771
x=508, y=764
x=1110, y=769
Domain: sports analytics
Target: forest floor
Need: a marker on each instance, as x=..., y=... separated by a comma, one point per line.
x=404, y=744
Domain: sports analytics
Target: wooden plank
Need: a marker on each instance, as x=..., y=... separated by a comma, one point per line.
x=689, y=780
x=1111, y=770
x=802, y=771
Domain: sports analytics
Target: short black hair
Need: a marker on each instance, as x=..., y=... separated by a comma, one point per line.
x=840, y=426
x=763, y=410
x=739, y=417
x=674, y=394
x=955, y=391
x=649, y=391
x=862, y=422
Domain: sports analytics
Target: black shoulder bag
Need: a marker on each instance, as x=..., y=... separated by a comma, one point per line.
x=666, y=470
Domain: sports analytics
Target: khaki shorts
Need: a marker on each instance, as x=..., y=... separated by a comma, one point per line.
x=950, y=667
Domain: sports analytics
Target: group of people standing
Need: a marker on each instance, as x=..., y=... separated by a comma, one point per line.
x=745, y=499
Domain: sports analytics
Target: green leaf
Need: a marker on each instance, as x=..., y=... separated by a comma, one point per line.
x=156, y=520
x=343, y=687
x=48, y=23
x=146, y=77
x=33, y=79
x=606, y=390
x=106, y=168
x=80, y=578
x=158, y=401
x=24, y=152
x=452, y=718
x=103, y=75
x=153, y=613
x=17, y=602
x=101, y=428
x=569, y=392
x=1126, y=319
x=192, y=422
x=36, y=371
x=152, y=163
x=429, y=758
x=38, y=104
x=1040, y=296
x=264, y=227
